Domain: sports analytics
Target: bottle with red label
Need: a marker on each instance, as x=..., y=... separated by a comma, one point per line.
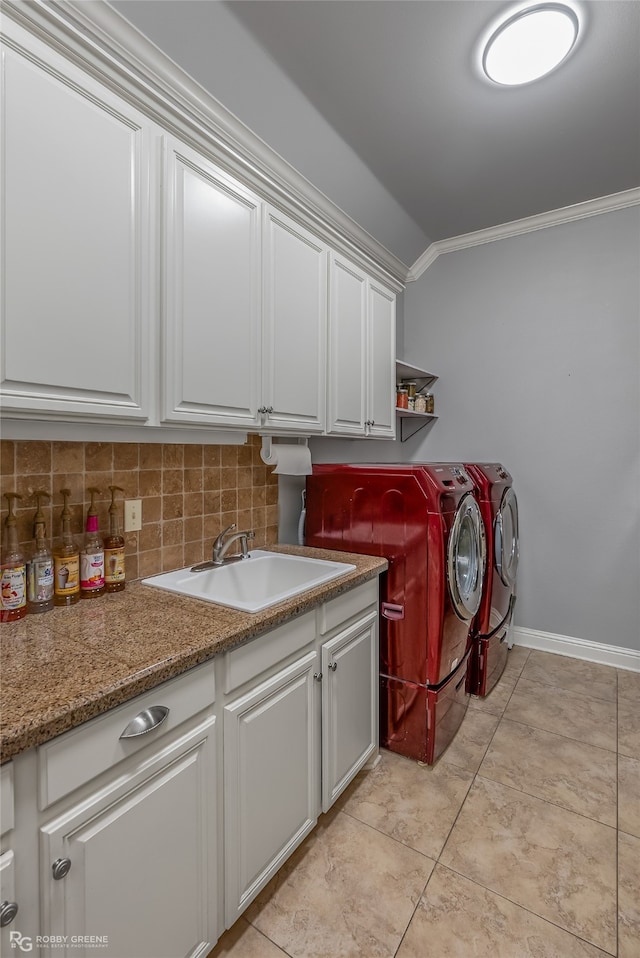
x=13, y=588
x=92, y=555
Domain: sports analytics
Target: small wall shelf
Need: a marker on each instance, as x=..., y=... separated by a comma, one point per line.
x=410, y=421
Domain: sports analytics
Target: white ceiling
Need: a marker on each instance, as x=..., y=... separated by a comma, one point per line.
x=397, y=80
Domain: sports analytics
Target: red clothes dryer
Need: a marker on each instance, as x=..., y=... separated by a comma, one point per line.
x=490, y=628
x=425, y=520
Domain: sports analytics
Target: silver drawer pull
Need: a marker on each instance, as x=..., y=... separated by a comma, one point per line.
x=146, y=721
x=8, y=911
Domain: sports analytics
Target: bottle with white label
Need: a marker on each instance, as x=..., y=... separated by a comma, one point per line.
x=114, y=559
x=92, y=555
x=40, y=565
x=13, y=589
x=66, y=560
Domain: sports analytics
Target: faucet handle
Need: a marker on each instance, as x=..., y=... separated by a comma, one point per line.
x=220, y=538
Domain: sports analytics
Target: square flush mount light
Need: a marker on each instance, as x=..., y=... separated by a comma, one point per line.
x=529, y=44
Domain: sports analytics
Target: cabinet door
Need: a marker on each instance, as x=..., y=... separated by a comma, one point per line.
x=347, y=349
x=349, y=705
x=211, y=341
x=8, y=899
x=75, y=184
x=382, y=362
x=142, y=854
x=271, y=761
x=295, y=326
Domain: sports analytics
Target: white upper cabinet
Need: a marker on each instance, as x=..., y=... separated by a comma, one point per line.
x=75, y=231
x=361, y=354
x=211, y=340
x=381, y=387
x=295, y=326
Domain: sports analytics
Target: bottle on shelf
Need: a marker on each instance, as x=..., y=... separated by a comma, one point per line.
x=66, y=561
x=40, y=565
x=92, y=555
x=114, y=568
x=13, y=597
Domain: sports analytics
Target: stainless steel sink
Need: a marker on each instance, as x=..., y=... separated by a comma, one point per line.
x=252, y=584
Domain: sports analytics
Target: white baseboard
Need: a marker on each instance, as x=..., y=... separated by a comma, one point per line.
x=618, y=657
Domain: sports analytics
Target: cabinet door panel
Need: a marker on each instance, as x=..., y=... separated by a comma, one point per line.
x=212, y=316
x=295, y=326
x=271, y=783
x=142, y=859
x=75, y=164
x=382, y=364
x=349, y=705
x=347, y=349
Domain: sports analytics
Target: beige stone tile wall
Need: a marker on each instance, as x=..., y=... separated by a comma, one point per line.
x=189, y=493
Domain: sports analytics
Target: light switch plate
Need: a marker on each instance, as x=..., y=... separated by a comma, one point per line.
x=132, y=515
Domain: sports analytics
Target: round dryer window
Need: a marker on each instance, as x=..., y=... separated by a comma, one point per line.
x=466, y=557
x=507, y=549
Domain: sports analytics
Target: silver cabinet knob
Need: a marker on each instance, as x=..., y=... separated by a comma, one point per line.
x=147, y=720
x=317, y=676
x=333, y=666
x=61, y=868
x=8, y=911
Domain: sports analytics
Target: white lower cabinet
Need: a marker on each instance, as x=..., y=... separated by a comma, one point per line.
x=349, y=705
x=138, y=854
x=271, y=778
x=295, y=735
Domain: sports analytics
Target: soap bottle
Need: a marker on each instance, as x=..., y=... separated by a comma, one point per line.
x=114, y=570
x=66, y=561
x=92, y=555
x=40, y=565
x=13, y=597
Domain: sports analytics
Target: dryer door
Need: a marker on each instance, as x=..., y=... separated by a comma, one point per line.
x=507, y=549
x=466, y=558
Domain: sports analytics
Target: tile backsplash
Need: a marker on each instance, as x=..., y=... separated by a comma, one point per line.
x=189, y=493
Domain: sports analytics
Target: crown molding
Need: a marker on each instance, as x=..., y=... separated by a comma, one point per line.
x=567, y=214
x=95, y=37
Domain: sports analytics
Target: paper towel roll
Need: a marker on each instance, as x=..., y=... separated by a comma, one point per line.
x=288, y=459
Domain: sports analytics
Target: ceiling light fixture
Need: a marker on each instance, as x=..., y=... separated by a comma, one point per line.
x=530, y=44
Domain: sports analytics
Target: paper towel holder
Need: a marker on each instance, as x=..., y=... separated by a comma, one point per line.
x=265, y=451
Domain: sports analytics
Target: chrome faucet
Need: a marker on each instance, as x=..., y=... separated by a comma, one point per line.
x=221, y=546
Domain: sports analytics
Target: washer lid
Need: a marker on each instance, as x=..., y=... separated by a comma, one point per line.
x=507, y=548
x=466, y=558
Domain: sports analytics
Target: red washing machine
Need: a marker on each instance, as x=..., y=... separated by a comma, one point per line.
x=490, y=629
x=425, y=520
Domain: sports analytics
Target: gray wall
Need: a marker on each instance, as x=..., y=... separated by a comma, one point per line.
x=228, y=62
x=536, y=341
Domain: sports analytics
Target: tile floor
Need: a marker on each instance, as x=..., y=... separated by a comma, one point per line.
x=523, y=841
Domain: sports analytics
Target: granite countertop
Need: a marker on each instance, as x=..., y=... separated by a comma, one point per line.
x=63, y=667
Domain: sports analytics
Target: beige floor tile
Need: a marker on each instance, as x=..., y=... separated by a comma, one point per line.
x=558, y=769
x=577, y=716
x=245, y=941
x=471, y=740
x=497, y=699
x=409, y=802
x=629, y=685
x=516, y=659
x=554, y=862
x=575, y=675
x=349, y=894
x=628, y=896
x=629, y=727
x=457, y=918
x=629, y=796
